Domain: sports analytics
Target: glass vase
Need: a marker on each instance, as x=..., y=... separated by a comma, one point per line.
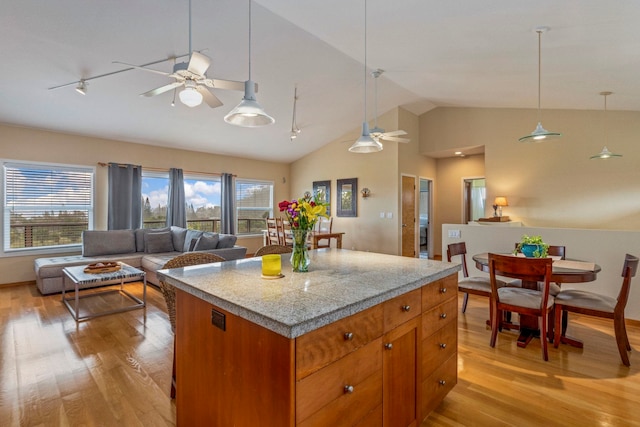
x=300, y=256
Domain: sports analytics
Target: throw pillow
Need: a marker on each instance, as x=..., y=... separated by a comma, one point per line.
x=227, y=241
x=189, y=237
x=206, y=241
x=140, y=233
x=178, y=235
x=158, y=242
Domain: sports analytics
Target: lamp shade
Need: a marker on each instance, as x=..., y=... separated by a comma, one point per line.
x=605, y=154
x=365, y=144
x=190, y=97
x=501, y=201
x=249, y=113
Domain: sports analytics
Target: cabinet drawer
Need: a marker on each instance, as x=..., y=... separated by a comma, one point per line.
x=438, y=384
x=401, y=309
x=439, y=316
x=331, y=342
x=322, y=398
x=437, y=348
x=439, y=291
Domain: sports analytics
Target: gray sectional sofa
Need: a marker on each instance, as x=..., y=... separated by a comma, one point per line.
x=148, y=249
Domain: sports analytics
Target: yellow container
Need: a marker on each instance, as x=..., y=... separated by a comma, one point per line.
x=271, y=265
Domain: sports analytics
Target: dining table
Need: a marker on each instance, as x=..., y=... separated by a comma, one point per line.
x=563, y=271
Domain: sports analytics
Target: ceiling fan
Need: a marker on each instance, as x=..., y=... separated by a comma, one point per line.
x=191, y=75
x=377, y=133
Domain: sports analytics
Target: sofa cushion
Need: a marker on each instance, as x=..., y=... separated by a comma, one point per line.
x=100, y=242
x=158, y=242
x=206, y=241
x=140, y=232
x=226, y=241
x=190, y=239
x=178, y=234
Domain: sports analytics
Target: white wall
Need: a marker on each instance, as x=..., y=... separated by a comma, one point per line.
x=606, y=248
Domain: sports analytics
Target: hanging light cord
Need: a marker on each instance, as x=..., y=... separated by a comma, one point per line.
x=539, y=69
x=294, y=125
x=249, y=39
x=365, y=60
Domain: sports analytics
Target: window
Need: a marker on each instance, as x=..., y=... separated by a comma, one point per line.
x=202, y=201
x=46, y=205
x=254, y=204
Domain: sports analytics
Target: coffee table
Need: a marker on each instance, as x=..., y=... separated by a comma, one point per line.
x=79, y=278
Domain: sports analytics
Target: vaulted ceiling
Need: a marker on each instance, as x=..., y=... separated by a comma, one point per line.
x=435, y=53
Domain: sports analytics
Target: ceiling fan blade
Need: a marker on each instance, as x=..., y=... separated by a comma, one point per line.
x=225, y=84
x=211, y=100
x=162, y=89
x=198, y=64
x=395, y=139
x=142, y=68
x=395, y=133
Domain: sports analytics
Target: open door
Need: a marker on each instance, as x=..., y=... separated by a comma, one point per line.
x=408, y=216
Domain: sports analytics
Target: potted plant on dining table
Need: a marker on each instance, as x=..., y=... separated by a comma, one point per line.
x=532, y=247
x=302, y=214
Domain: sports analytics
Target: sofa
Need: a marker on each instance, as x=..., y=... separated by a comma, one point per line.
x=147, y=249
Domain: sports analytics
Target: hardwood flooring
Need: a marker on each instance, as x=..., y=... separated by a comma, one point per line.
x=115, y=370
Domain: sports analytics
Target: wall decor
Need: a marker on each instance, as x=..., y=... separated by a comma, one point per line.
x=322, y=189
x=347, y=197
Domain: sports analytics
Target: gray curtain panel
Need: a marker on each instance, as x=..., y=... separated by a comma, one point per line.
x=228, y=202
x=125, y=197
x=176, y=214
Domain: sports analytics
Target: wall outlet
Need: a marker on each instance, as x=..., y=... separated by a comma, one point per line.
x=454, y=234
x=389, y=215
x=382, y=215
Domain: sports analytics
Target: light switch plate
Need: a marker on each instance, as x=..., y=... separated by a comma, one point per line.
x=389, y=215
x=454, y=234
x=382, y=215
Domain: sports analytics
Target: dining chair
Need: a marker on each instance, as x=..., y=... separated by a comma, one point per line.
x=469, y=285
x=273, y=249
x=169, y=292
x=273, y=232
x=554, y=288
x=285, y=233
x=597, y=305
x=525, y=301
x=324, y=225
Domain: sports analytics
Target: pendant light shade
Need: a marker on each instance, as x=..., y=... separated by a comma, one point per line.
x=365, y=144
x=249, y=113
x=539, y=133
x=605, y=153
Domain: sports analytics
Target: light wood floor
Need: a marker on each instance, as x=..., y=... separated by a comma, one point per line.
x=114, y=371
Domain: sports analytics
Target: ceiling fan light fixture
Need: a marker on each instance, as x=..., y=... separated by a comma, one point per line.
x=539, y=133
x=365, y=144
x=190, y=96
x=249, y=113
x=82, y=87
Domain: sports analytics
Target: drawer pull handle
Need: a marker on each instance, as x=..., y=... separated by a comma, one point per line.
x=443, y=345
x=443, y=290
x=388, y=346
x=348, y=389
x=406, y=307
x=443, y=316
x=348, y=336
x=442, y=382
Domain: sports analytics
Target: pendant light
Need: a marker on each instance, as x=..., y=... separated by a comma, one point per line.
x=249, y=113
x=605, y=153
x=539, y=133
x=295, y=130
x=365, y=144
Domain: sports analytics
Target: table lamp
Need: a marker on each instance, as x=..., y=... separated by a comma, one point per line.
x=498, y=203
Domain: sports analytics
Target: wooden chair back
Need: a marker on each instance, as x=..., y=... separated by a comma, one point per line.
x=553, y=250
x=455, y=249
x=273, y=249
x=273, y=231
x=285, y=232
x=629, y=269
x=526, y=269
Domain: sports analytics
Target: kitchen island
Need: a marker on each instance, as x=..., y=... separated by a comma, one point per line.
x=361, y=339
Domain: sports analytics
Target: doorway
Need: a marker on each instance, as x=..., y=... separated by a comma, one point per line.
x=424, y=209
x=475, y=194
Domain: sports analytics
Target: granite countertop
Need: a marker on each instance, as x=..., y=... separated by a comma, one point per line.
x=339, y=283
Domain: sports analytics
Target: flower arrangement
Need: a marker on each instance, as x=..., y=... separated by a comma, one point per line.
x=302, y=214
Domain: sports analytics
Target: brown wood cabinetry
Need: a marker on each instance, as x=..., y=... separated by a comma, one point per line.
x=389, y=365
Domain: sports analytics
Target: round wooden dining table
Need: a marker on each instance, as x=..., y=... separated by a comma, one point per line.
x=563, y=271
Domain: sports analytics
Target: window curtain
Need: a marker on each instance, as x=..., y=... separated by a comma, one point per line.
x=176, y=214
x=125, y=197
x=228, y=199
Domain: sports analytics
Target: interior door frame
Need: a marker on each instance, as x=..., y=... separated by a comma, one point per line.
x=429, y=214
x=416, y=242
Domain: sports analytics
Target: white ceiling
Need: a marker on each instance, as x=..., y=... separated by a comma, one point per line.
x=434, y=53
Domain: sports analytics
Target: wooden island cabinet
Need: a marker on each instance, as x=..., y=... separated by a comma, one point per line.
x=383, y=355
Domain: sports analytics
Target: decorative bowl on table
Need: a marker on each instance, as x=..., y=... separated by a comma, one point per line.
x=531, y=251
